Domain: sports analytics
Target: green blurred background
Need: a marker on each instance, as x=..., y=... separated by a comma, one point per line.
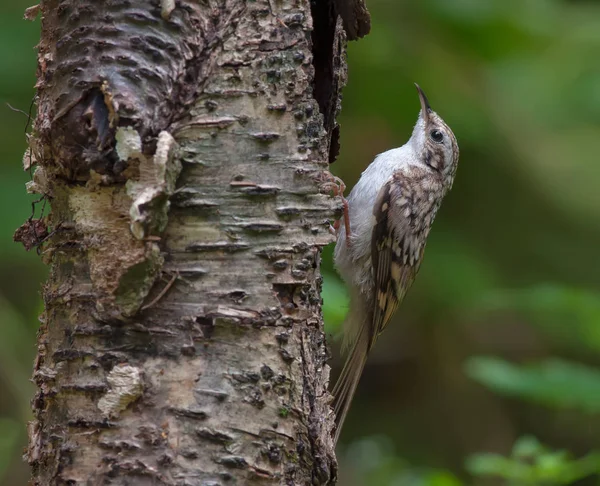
x=21, y=273
x=491, y=372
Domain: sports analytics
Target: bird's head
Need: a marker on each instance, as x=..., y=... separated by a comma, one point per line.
x=434, y=142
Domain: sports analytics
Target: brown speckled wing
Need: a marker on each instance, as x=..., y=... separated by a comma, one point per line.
x=396, y=249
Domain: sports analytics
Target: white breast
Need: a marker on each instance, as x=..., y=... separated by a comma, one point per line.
x=350, y=261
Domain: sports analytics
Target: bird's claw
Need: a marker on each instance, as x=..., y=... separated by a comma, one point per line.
x=336, y=186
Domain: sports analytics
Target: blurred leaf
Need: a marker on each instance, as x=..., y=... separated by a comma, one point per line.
x=527, y=447
x=568, y=315
x=497, y=465
x=553, y=382
x=375, y=462
x=335, y=302
x=441, y=478
x=9, y=435
x=539, y=466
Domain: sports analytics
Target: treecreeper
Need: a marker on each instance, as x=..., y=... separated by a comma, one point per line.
x=389, y=214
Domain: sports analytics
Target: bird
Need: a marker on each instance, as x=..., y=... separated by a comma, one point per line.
x=390, y=212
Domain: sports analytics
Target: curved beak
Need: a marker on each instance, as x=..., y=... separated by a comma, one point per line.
x=425, y=108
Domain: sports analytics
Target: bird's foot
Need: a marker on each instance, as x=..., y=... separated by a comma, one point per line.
x=336, y=186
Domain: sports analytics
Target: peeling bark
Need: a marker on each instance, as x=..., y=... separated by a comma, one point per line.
x=182, y=146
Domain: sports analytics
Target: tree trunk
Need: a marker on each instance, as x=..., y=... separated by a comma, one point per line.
x=182, y=146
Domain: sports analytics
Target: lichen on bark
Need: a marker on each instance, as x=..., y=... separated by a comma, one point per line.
x=182, y=147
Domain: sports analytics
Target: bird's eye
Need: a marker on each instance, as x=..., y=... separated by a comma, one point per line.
x=436, y=136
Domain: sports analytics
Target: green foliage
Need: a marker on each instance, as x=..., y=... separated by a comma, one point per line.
x=374, y=461
x=335, y=302
x=531, y=463
x=552, y=382
x=569, y=316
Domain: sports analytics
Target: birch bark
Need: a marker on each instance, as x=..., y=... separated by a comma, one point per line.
x=182, y=147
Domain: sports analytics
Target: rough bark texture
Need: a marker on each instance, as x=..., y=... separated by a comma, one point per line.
x=182, y=146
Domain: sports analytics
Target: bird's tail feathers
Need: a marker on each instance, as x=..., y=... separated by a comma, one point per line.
x=344, y=389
